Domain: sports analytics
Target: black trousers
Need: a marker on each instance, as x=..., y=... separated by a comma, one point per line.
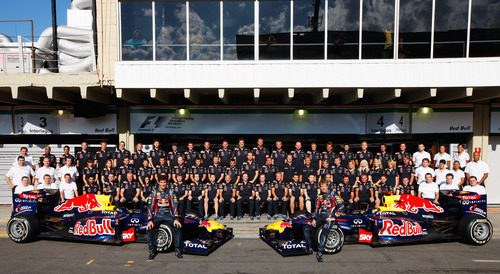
x=320, y=222
x=251, y=206
x=157, y=220
x=283, y=204
x=363, y=200
x=222, y=206
x=201, y=204
x=262, y=202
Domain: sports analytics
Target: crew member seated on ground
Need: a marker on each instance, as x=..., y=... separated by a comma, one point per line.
x=262, y=196
x=381, y=190
x=162, y=207
x=196, y=194
x=112, y=187
x=346, y=193
x=227, y=194
x=364, y=193
x=310, y=192
x=245, y=194
x=181, y=192
x=211, y=196
x=279, y=189
x=295, y=193
x=92, y=187
x=130, y=192
x=328, y=207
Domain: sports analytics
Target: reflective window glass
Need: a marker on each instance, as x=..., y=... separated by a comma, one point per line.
x=204, y=30
x=170, y=22
x=238, y=30
x=308, y=29
x=485, y=28
x=137, y=30
x=343, y=29
x=415, y=25
x=378, y=29
x=450, y=32
x=274, y=29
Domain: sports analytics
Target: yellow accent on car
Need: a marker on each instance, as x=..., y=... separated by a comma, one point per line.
x=214, y=226
x=276, y=226
x=106, y=202
x=388, y=203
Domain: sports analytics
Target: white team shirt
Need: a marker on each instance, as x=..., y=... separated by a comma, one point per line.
x=68, y=189
x=428, y=190
x=28, y=160
x=419, y=156
x=441, y=175
x=40, y=172
x=20, y=189
x=65, y=170
x=451, y=186
x=16, y=173
x=457, y=176
x=477, y=169
x=479, y=189
x=44, y=186
x=462, y=158
x=421, y=171
x=445, y=156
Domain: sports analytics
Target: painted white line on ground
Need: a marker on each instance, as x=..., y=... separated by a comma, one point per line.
x=486, y=261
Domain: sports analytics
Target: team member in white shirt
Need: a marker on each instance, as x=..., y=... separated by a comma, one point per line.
x=16, y=173
x=449, y=184
x=42, y=171
x=442, y=155
x=47, y=183
x=420, y=155
x=461, y=156
x=477, y=168
x=475, y=187
x=68, y=168
x=458, y=174
x=25, y=186
x=67, y=188
x=424, y=169
x=28, y=160
x=441, y=173
x=429, y=190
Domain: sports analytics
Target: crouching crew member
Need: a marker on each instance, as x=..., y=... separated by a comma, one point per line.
x=364, y=193
x=162, y=207
x=345, y=191
x=196, y=194
x=130, y=192
x=181, y=192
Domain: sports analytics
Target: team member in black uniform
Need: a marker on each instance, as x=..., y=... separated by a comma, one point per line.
x=245, y=193
x=405, y=187
x=138, y=156
x=401, y=154
x=207, y=155
x=279, y=156
x=269, y=170
x=260, y=153
x=298, y=156
x=162, y=207
x=262, y=196
x=180, y=168
x=102, y=156
x=108, y=169
x=295, y=193
x=392, y=174
x=199, y=169
x=289, y=169
x=329, y=206
x=346, y=155
x=250, y=168
x=310, y=192
x=130, y=192
x=329, y=154
x=364, y=193
x=382, y=189
x=227, y=194
x=225, y=154
x=82, y=157
x=196, y=194
x=345, y=191
x=315, y=157
x=191, y=155
x=280, y=195
x=162, y=168
x=407, y=170
x=181, y=192
x=383, y=156
x=211, y=190
x=125, y=169
x=352, y=173
x=173, y=155
x=216, y=169
x=62, y=159
x=233, y=171
x=156, y=153
x=145, y=172
x=112, y=187
x=90, y=171
x=324, y=169
x=146, y=191
x=92, y=188
x=307, y=169
x=337, y=170
x=240, y=153
x=376, y=171
x=364, y=154
x=47, y=154
x=120, y=154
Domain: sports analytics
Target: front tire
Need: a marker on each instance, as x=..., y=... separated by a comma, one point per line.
x=334, y=241
x=164, y=238
x=22, y=228
x=475, y=230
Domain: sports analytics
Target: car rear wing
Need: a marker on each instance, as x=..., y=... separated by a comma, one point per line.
x=24, y=203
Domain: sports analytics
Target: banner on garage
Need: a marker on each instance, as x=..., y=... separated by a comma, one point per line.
x=388, y=119
x=47, y=120
x=442, y=119
x=6, y=121
x=495, y=118
x=232, y=120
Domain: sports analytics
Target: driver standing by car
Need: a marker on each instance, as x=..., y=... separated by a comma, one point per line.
x=162, y=207
x=328, y=206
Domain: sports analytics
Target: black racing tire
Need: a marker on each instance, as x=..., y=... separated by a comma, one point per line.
x=22, y=228
x=193, y=214
x=475, y=230
x=334, y=242
x=164, y=237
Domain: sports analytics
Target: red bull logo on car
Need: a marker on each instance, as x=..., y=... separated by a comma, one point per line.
x=389, y=228
x=285, y=225
x=92, y=228
x=413, y=203
x=83, y=203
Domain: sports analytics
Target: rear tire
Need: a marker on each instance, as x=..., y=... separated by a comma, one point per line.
x=164, y=237
x=22, y=228
x=475, y=230
x=334, y=241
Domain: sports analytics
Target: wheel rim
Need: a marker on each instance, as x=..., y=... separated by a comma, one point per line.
x=481, y=231
x=162, y=238
x=333, y=239
x=18, y=229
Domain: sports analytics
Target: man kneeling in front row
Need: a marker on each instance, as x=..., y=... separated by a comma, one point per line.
x=162, y=207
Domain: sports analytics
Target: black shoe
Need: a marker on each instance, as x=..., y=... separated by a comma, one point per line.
x=152, y=254
x=309, y=251
x=319, y=257
x=178, y=253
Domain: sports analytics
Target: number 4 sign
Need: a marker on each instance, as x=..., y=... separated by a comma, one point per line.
x=387, y=123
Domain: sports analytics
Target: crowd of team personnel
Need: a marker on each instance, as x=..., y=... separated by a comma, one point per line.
x=255, y=180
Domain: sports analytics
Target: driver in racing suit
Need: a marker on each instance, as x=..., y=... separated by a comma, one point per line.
x=328, y=207
x=162, y=207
